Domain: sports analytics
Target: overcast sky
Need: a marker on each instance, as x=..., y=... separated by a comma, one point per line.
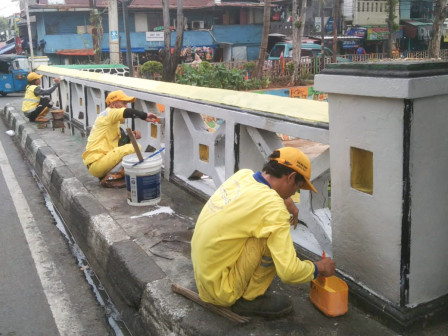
x=8, y=8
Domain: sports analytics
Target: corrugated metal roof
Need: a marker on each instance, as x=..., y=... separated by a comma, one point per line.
x=150, y=4
x=136, y=4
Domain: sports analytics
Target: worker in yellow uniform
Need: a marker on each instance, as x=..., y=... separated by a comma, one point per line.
x=105, y=151
x=242, y=238
x=34, y=106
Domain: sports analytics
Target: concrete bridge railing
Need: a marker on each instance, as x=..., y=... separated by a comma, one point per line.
x=387, y=227
x=198, y=157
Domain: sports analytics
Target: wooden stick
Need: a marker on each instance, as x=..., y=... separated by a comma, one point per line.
x=134, y=143
x=223, y=311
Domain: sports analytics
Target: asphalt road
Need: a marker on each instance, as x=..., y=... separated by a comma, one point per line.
x=43, y=290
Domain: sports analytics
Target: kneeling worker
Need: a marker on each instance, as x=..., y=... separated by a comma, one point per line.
x=104, y=150
x=34, y=106
x=242, y=238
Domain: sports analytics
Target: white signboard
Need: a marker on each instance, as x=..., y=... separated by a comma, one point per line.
x=56, y=2
x=154, y=36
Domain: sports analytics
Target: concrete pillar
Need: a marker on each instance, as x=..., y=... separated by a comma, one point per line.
x=389, y=162
x=114, y=35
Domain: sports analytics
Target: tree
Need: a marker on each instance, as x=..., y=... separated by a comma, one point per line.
x=297, y=34
x=391, y=26
x=4, y=24
x=171, y=60
x=440, y=14
x=264, y=39
x=96, y=20
x=151, y=68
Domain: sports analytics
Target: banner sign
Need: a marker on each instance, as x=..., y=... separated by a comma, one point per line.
x=378, y=33
x=359, y=31
x=350, y=44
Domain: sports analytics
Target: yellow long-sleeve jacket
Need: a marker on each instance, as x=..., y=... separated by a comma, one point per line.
x=104, y=135
x=242, y=208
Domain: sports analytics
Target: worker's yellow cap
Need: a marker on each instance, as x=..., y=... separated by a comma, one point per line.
x=33, y=76
x=118, y=96
x=295, y=159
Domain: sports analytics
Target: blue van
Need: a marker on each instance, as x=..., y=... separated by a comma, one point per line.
x=13, y=72
x=309, y=50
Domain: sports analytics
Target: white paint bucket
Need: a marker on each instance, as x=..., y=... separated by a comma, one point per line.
x=143, y=180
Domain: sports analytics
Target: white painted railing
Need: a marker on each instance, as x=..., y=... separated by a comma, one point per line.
x=198, y=157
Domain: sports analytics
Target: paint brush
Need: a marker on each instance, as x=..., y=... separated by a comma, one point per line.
x=321, y=277
x=149, y=156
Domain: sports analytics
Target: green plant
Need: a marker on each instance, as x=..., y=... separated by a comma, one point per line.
x=298, y=24
x=289, y=67
x=250, y=66
x=152, y=67
x=217, y=77
x=204, y=66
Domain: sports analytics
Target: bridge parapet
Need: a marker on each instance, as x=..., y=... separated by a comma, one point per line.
x=198, y=157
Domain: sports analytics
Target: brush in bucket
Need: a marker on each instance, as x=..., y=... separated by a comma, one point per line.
x=329, y=294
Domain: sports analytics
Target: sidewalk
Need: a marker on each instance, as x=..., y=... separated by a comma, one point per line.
x=138, y=252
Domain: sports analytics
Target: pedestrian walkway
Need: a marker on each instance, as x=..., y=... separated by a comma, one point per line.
x=138, y=252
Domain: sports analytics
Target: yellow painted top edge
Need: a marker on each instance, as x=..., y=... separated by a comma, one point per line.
x=307, y=110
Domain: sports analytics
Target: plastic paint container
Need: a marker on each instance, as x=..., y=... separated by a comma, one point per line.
x=143, y=181
x=329, y=295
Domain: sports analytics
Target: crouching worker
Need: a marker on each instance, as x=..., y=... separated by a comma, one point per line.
x=34, y=106
x=242, y=238
x=105, y=146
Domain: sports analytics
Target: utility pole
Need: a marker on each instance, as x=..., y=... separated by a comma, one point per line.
x=124, y=4
x=30, y=37
x=335, y=29
x=322, y=33
x=114, y=36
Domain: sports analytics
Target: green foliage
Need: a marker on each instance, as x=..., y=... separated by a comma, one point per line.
x=3, y=24
x=298, y=24
x=290, y=67
x=250, y=66
x=152, y=67
x=218, y=76
x=205, y=66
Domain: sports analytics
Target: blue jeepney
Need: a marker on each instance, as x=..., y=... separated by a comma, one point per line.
x=13, y=72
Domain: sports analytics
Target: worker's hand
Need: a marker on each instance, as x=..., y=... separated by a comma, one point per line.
x=57, y=80
x=326, y=267
x=292, y=209
x=152, y=118
x=137, y=134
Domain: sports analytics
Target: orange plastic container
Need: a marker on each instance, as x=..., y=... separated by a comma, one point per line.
x=329, y=295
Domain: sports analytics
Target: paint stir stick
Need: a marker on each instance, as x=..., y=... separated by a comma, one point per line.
x=134, y=144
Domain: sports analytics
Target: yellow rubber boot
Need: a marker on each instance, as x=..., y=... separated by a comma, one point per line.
x=41, y=115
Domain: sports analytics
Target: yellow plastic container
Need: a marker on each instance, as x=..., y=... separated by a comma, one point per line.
x=329, y=295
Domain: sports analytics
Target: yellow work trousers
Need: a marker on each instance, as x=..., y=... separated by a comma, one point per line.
x=102, y=166
x=254, y=270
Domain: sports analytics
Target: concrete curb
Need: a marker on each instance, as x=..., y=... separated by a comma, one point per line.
x=122, y=265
